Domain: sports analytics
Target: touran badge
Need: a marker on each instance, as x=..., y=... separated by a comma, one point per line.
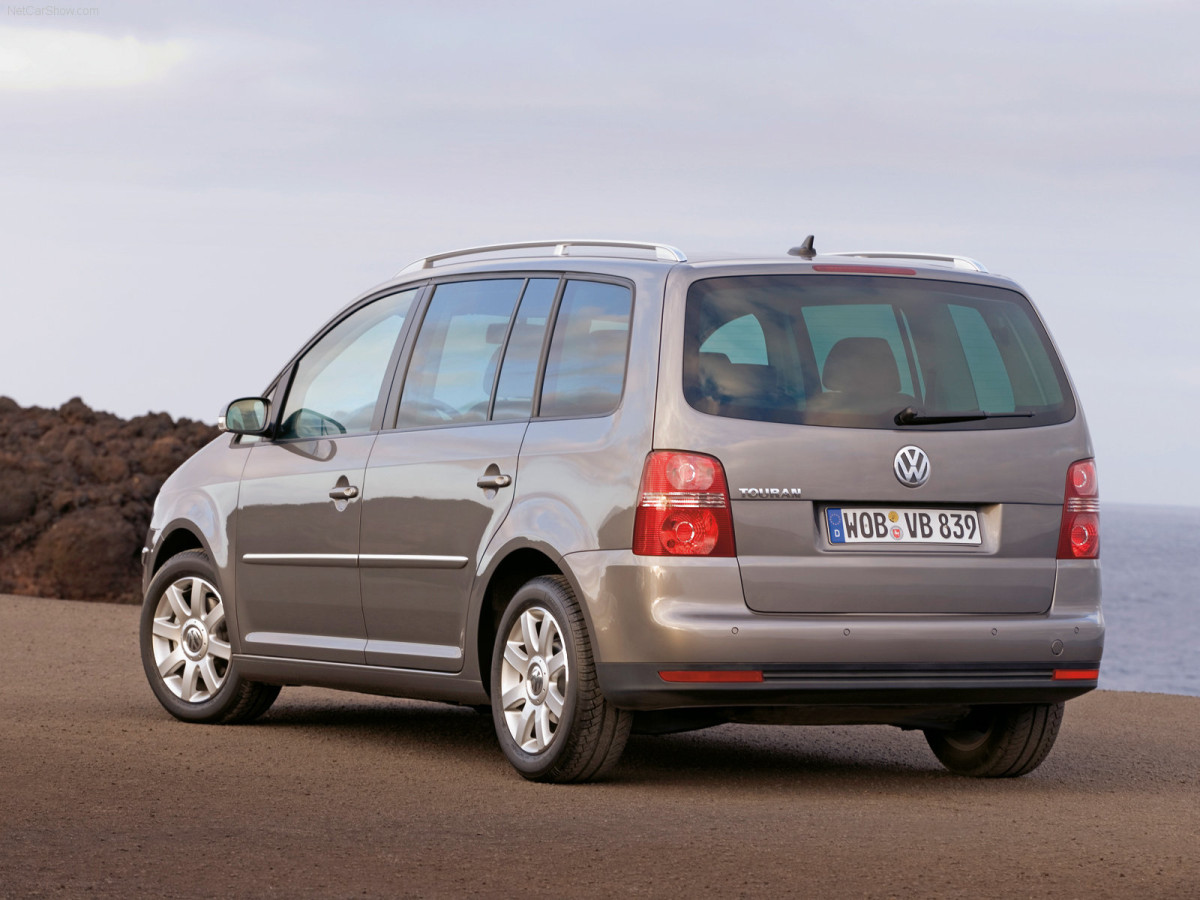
x=911, y=466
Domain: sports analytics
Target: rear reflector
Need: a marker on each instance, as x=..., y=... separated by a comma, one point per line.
x=717, y=676
x=863, y=270
x=1076, y=674
x=1079, y=534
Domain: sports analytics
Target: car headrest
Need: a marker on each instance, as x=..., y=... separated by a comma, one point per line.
x=861, y=365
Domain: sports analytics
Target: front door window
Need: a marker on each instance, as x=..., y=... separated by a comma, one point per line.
x=336, y=386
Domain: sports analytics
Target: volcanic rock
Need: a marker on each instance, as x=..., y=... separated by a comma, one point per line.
x=88, y=553
x=77, y=487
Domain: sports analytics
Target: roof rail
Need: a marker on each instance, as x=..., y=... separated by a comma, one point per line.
x=959, y=262
x=661, y=251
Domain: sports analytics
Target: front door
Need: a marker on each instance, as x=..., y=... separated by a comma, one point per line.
x=300, y=503
x=297, y=565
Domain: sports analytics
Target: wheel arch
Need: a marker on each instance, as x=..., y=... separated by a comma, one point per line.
x=509, y=569
x=186, y=531
x=180, y=536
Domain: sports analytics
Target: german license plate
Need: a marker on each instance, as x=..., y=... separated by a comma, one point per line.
x=898, y=525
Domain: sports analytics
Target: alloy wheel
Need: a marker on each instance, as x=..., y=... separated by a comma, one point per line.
x=533, y=679
x=190, y=641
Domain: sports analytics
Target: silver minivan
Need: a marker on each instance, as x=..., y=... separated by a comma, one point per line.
x=595, y=487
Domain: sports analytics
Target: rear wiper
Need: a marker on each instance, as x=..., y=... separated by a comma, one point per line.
x=912, y=416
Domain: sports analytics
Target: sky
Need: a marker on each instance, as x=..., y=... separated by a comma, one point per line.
x=188, y=191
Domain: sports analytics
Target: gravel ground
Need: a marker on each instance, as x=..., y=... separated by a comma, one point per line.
x=343, y=795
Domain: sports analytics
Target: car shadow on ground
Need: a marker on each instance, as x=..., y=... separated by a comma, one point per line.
x=767, y=756
x=752, y=757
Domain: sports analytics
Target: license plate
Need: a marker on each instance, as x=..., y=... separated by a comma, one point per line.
x=885, y=525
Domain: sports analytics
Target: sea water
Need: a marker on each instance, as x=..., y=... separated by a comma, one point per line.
x=1150, y=564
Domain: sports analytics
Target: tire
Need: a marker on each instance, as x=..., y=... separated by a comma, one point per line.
x=552, y=722
x=998, y=741
x=185, y=647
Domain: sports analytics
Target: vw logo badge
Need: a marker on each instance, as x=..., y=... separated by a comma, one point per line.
x=911, y=466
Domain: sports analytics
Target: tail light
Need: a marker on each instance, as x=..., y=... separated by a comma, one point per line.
x=683, y=507
x=1079, y=536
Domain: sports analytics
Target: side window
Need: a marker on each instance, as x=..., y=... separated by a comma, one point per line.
x=337, y=381
x=740, y=341
x=992, y=386
x=518, y=371
x=741, y=357
x=585, y=371
x=457, y=353
x=1026, y=359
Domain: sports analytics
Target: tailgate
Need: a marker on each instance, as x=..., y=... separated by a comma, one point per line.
x=892, y=445
x=790, y=561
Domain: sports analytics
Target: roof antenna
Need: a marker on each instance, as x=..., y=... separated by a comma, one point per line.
x=805, y=250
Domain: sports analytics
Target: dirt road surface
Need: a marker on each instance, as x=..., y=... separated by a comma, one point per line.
x=343, y=795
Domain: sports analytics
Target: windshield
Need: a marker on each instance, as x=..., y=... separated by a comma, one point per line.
x=858, y=351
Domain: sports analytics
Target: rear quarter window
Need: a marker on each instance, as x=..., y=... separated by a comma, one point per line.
x=585, y=369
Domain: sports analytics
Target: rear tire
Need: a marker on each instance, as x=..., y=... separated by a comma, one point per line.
x=185, y=647
x=998, y=741
x=552, y=722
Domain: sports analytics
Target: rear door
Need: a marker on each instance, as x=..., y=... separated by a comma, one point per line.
x=798, y=384
x=440, y=483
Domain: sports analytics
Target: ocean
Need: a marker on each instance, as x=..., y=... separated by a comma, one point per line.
x=1150, y=560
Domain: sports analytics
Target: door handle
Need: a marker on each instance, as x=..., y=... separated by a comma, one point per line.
x=491, y=482
x=346, y=492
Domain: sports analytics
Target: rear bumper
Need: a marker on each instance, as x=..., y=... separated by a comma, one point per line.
x=650, y=615
x=641, y=686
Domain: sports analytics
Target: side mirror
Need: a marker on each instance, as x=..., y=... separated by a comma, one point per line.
x=250, y=415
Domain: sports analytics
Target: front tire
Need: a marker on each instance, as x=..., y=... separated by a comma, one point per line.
x=552, y=722
x=999, y=741
x=185, y=647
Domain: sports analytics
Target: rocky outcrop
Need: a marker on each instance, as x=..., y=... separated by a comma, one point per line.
x=76, y=490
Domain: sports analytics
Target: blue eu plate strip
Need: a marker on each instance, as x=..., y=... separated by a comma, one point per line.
x=837, y=534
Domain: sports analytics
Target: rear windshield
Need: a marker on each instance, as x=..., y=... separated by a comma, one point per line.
x=858, y=351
